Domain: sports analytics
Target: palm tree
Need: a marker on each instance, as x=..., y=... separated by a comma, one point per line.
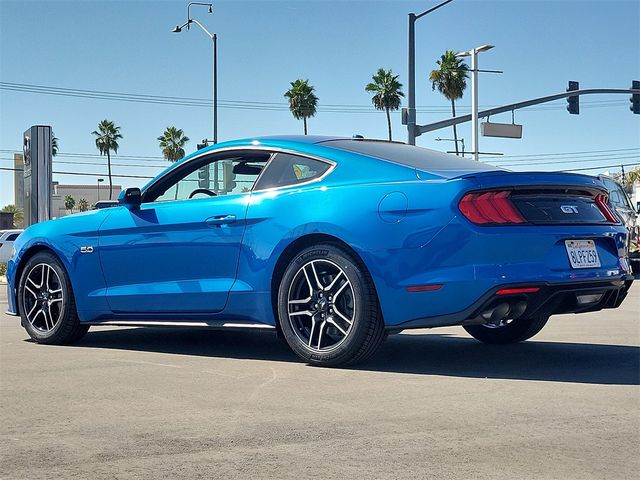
x=388, y=92
x=18, y=215
x=303, y=103
x=69, y=203
x=54, y=144
x=107, y=137
x=633, y=176
x=451, y=80
x=172, y=142
x=83, y=205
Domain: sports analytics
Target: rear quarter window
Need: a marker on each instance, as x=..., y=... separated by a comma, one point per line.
x=288, y=169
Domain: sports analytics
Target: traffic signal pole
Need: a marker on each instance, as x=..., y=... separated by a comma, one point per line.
x=635, y=93
x=411, y=67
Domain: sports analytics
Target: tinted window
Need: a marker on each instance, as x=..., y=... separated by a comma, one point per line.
x=409, y=155
x=286, y=169
x=12, y=237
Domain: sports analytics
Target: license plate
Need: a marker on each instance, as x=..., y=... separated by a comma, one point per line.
x=582, y=253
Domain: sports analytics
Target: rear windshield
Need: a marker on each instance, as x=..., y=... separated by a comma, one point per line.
x=409, y=155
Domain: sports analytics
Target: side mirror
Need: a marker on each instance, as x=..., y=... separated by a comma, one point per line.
x=130, y=198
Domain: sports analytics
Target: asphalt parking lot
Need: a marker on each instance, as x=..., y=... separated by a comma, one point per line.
x=166, y=403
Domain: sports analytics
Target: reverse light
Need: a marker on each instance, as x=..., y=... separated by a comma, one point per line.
x=602, y=201
x=586, y=299
x=490, y=208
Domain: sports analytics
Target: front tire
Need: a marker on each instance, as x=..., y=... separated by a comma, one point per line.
x=518, y=330
x=328, y=308
x=47, y=305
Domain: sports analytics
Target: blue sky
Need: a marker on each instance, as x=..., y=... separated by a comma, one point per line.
x=128, y=47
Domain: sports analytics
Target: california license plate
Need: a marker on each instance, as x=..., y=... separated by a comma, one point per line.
x=582, y=253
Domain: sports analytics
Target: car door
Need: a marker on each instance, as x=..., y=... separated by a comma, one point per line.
x=176, y=254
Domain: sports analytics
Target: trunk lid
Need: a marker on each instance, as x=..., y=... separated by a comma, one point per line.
x=535, y=198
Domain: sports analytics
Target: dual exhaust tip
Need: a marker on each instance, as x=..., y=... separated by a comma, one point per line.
x=504, y=311
x=498, y=314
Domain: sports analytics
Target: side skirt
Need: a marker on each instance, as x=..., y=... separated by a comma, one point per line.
x=173, y=324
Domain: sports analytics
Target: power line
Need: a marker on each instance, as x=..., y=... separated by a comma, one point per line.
x=601, y=167
x=83, y=174
x=526, y=160
x=570, y=153
x=241, y=104
x=556, y=162
x=95, y=155
x=509, y=158
x=92, y=164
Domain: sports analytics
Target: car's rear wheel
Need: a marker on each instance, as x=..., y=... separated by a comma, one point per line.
x=47, y=306
x=515, y=331
x=328, y=308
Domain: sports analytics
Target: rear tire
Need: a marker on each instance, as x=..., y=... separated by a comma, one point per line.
x=328, y=307
x=47, y=305
x=518, y=330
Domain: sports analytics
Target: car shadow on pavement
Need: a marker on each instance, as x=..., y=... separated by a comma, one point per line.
x=423, y=354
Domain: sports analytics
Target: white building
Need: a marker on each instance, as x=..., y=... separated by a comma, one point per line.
x=91, y=193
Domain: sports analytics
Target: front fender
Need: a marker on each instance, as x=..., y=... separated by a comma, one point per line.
x=65, y=237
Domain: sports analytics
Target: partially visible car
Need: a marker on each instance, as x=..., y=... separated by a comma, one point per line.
x=621, y=203
x=7, y=238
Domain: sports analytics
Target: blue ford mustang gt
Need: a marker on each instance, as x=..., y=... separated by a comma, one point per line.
x=332, y=242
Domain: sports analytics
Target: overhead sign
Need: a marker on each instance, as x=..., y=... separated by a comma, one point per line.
x=503, y=130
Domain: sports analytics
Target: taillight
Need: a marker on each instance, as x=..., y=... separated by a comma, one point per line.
x=602, y=201
x=490, y=208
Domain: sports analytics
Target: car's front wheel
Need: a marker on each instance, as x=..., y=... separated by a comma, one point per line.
x=47, y=306
x=515, y=331
x=328, y=307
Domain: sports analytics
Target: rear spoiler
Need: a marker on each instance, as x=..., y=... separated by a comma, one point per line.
x=497, y=179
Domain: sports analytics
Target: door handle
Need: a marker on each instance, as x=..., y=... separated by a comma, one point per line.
x=220, y=220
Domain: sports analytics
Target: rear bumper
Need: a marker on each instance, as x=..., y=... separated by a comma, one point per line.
x=550, y=299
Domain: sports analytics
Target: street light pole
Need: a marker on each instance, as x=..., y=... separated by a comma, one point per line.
x=474, y=104
x=411, y=63
x=473, y=53
x=214, y=41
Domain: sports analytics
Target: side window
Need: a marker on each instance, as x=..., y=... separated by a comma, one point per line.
x=227, y=176
x=287, y=169
x=12, y=237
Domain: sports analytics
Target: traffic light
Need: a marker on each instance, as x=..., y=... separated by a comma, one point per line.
x=635, y=97
x=203, y=177
x=204, y=143
x=229, y=177
x=574, y=101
